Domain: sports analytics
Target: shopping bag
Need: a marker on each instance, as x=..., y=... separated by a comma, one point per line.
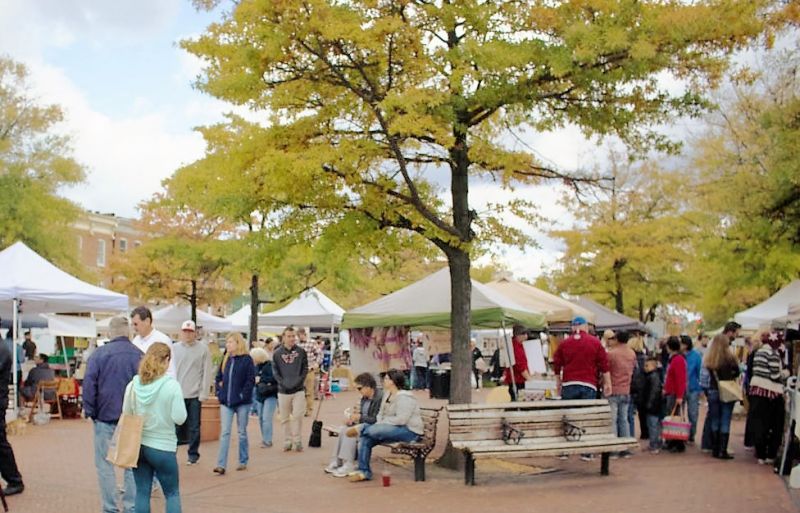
x=676, y=427
x=123, y=451
x=729, y=390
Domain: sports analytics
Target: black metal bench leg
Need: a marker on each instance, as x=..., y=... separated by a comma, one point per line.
x=604, y=463
x=469, y=470
x=419, y=468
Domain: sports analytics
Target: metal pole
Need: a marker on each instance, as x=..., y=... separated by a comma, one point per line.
x=510, y=355
x=64, y=352
x=14, y=319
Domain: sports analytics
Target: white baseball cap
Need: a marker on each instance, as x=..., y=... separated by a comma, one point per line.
x=188, y=326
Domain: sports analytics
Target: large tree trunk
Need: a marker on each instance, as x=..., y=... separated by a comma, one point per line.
x=461, y=292
x=254, y=303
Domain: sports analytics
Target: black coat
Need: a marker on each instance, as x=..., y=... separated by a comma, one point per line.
x=651, y=396
x=5, y=376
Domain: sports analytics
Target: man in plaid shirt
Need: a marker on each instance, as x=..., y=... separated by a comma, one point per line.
x=314, y=361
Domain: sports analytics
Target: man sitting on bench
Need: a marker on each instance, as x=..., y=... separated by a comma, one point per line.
x=344, y=452
x=42, y=372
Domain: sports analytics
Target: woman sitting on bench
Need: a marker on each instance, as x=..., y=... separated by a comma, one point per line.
x=399, y=420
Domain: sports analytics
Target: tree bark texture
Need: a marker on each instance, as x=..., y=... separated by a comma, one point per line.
x=254, y=303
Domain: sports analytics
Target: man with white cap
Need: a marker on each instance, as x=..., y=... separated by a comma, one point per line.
x=193, y=371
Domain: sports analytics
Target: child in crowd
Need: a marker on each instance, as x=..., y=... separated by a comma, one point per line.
x=651, y=402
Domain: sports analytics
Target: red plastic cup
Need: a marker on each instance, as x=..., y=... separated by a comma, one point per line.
x=387, y=479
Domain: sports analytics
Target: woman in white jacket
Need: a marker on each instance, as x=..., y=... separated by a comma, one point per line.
x=399, y=420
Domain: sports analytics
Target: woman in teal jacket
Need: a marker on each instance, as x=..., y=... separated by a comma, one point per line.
x=159, y=399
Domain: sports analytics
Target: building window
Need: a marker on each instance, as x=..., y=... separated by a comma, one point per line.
x=101, y=253
x=123, y=245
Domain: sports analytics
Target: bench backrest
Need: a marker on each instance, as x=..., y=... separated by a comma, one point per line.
x=531, y=423
x=430, y=419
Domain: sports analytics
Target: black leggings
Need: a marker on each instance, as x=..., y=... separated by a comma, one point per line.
x=766, y=422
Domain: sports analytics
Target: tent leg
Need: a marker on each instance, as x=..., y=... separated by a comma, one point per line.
x=510, y=355
x=14, y=365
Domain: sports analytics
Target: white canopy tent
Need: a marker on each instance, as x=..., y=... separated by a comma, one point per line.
x=312, y=308
x=31, y=284
x=773, y=308
x=170, y=318
x=240, y=319
x=555, y=309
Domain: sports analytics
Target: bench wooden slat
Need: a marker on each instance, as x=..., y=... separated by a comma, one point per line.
x=529, y=435
x=548, y=413
x=526, y=405
x=466, y=425
x=537, y=442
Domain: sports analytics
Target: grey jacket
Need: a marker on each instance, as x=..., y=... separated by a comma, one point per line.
x=401, y=409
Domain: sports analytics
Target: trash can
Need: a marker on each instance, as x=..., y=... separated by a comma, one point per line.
x=440, y=384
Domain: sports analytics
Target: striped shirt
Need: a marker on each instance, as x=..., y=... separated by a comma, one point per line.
x=767, y=379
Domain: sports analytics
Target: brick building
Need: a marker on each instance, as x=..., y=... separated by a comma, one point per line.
x=101, y=236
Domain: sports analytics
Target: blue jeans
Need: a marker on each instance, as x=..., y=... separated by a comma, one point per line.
x=654, y=429
x=719, y=413
x=226, y=418
x=189, y=431
x=266, y=415
x=375, y=434
x=570, y=392
x=693, y=410
x=619, y=414
x=419, y=378
x=631, y=418
x=103, y=431
x=162, y=465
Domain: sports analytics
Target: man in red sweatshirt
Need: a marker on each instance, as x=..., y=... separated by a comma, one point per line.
x=578, y=362
x=675, y=386
x=516, y=375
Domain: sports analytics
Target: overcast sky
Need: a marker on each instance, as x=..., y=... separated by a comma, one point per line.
x=125, y=87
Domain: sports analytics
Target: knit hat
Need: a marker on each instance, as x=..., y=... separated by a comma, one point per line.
x=773, y=338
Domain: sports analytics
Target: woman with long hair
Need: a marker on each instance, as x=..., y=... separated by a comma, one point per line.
x=159, y=399
x=766, y=397
x=722, y=366
x=236, y=378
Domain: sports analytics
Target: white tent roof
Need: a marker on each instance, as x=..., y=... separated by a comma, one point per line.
x=44, y=288
x=427, y=303
x=311, y=308
x=556, y=309
x=240, y=319
x=773, y=308
x=794, y=311
x=171, y=317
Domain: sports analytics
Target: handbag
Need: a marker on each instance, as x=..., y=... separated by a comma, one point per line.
x=676, y=427
x=266, y=388
x=481, y=365
x=123, y=450
x=729, y=390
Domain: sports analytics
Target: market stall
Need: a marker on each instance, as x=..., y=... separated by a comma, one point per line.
x=772, y=308
x=554, y=308
x=30, y=284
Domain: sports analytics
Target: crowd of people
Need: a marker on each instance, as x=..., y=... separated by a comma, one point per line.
x=166, y=383
x=670, y=381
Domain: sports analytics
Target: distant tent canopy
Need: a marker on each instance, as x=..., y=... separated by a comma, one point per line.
x=426, y=304
x=311, y=308
x=608, y=319
x=555, y=309
x=774, y=308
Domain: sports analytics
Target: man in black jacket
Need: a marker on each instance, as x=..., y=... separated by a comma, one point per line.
x=8, y=465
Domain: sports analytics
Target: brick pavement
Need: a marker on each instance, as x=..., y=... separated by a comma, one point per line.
x=57, y=463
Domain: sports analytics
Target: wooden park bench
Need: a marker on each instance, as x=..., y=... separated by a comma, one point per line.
x=534, y=429
x=417, y=450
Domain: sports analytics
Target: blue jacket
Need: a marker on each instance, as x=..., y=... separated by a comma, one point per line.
x=235, y=383
x=108, y=371
x=694, y=362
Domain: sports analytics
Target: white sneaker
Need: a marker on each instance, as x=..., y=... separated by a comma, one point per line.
x=344, y=470
x=332, y=467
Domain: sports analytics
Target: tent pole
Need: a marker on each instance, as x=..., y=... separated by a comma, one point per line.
x=64, y=351
x=510, y=355
x=14, y=365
